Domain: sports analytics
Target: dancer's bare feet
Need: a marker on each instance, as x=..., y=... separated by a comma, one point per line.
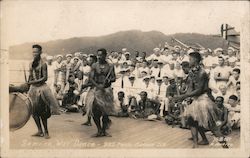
x=195, y=145
x=98, y=134
x=106, y=134
x=46, y=136
x=87, y=124
x=191, y=138
x=203, y=142
x=38, y=134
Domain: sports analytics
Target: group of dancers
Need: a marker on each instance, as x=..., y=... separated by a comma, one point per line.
x=200, y=114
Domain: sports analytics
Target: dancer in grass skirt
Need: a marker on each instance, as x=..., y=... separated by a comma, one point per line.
x=201, y=113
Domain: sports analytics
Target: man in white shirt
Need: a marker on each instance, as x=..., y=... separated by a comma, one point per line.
x=127, y=59
x=143, y=68
x=182, y=57
x=121, y=82
x=166, y=57
x=154, y=71
x=178, y=72
x=146, y=87
x=85, y=69
x=221, y=73
x=169, y=70
x=57, y=67
x=51, y=73
x=68, y=64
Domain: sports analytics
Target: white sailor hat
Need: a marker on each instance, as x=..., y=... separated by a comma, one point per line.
x=77, y=54
x=232, y=60
x=158, y=79
x=156, y=49
x=144, y=71
x=160, y=62
x=132, y=76
x=124, y=49
x=127, y=53
x=209, y=50
x=177, y=46
x=146, y=78
x=76, y=58
x=164, y=76
x=123, y=70
x=59, y=55
x=68, y=55
x=218, y=50
x=49, y=57
x=190, y=51
x=202, y=51
x=125, y=62
x=231, y=48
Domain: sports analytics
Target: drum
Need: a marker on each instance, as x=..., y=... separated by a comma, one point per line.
x=19, y=88
x=20, y=110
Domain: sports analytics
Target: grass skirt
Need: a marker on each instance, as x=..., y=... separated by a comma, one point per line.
x=104, y=99
x=202, y=110
x=42, y=100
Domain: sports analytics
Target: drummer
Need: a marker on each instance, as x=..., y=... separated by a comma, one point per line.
x=40, y=94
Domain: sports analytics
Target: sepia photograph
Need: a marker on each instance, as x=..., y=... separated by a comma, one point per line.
x=113, y=78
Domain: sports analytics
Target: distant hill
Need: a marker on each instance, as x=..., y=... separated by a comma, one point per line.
x=133, y=40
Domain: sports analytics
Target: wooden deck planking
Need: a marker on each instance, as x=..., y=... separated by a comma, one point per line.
x=67, y=128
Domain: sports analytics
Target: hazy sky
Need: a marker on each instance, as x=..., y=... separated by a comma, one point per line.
x=49, y=20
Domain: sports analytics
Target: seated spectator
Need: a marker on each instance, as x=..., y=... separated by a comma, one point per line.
x=70, y=96
x=123, y=112
x=173, y=117
x=147, y=107
x=234, y=112
x=222, y=111
x=170, y=93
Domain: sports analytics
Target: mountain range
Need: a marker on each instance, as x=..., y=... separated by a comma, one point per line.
x=133, y=40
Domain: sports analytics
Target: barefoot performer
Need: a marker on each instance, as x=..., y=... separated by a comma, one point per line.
x=40, y=94
x=101, y=77
x=201, y=112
